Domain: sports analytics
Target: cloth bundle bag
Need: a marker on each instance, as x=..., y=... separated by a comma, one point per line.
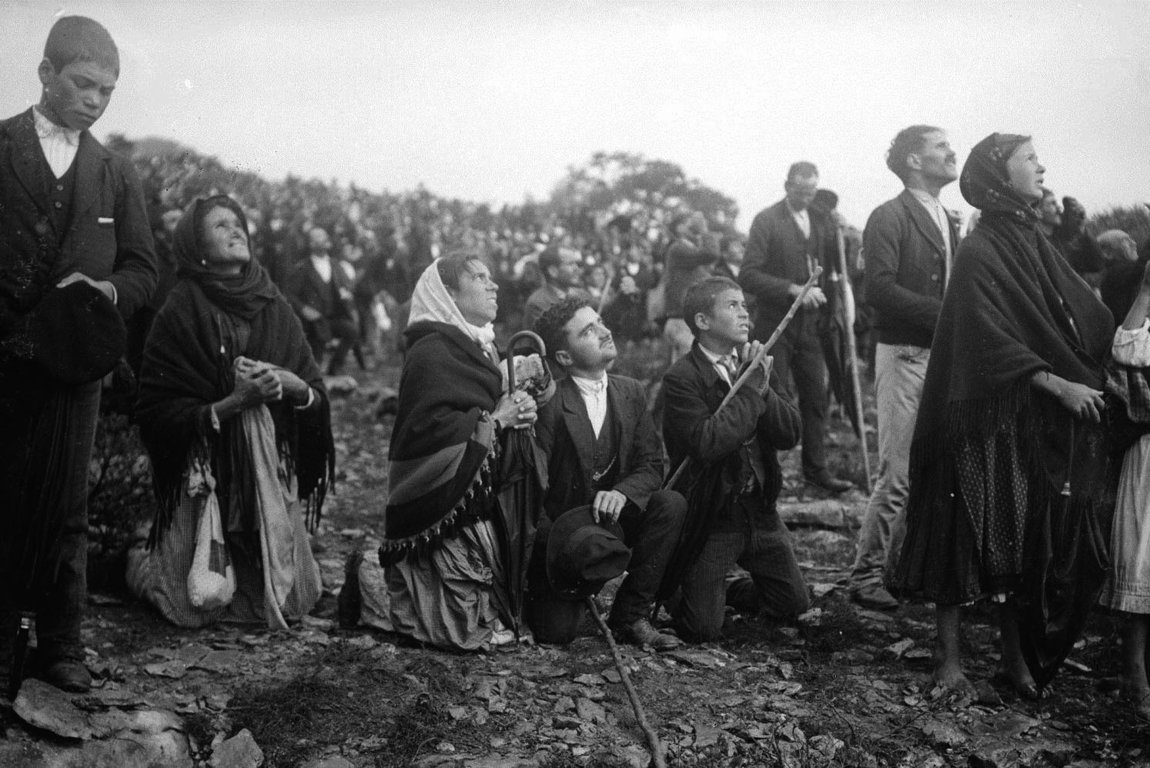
x=212, y=579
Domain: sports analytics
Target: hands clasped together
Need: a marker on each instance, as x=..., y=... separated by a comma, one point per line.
x=259, y=382
x=517, y=410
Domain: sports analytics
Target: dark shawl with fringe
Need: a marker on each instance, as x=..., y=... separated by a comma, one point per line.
x=443, y=445
x=207, y=321
x=1013, y=307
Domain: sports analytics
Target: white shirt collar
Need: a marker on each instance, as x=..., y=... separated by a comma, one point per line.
x=594, y=395
x=803, y=214
x=925, y=197
x=46, y=129
x=590, y=387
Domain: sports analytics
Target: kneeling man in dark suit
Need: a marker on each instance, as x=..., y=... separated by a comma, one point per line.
x=601, y=450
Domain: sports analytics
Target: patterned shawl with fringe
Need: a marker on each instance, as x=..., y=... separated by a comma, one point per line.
x=443, y=445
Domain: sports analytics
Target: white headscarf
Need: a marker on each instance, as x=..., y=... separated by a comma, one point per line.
x=431, y=301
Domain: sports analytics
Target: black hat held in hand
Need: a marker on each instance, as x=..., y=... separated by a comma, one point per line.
x=583, y=555
x=76, y=334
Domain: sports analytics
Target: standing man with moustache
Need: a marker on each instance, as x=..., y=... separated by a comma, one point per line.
x=909, y=243
x=602, y=450
x=70, y=212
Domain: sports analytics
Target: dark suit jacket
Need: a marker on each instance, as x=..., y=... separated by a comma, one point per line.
x=108, y=237
x=905, y=270
x=691, y=427
x=777, y=259
x=564, y=433
x=305, y=288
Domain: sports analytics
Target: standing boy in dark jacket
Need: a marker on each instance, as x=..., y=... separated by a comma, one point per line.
x=70, y=212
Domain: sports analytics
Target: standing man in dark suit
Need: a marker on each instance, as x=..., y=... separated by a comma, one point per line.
x=602, y=450
x=735, y=473
x=321, y=294
x=909, y=242
x=70, y=211
x=787, y=242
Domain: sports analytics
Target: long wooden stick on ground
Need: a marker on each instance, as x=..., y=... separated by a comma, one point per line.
x=760, y=359
x=657, y=758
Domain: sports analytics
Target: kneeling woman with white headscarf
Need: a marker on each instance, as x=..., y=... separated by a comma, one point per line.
x=440, y=547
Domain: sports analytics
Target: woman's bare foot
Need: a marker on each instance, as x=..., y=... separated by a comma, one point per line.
x=1017, y=676
x=950, y=678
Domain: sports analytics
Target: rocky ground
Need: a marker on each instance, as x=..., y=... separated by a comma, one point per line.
x=840, y=687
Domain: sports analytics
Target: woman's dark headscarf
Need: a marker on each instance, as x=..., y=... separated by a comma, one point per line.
x=243, y=294
x=188, y=365
x=985, y=181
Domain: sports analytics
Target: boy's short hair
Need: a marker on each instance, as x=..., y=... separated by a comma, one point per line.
x=551, y=325
x=78, y=38
x=701, y=296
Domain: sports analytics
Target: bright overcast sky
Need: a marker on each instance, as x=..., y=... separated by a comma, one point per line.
x=493, y=101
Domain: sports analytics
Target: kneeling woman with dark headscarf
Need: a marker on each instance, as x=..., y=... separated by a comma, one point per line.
x=1009, y=471
x=233, y=413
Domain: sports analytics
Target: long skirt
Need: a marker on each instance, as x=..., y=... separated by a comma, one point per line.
x=443, y=595
x=277, y=577
x=1128, y=585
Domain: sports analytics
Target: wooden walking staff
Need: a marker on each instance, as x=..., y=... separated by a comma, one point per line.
x=657, y=758
x=852, y=349
x=759, y=360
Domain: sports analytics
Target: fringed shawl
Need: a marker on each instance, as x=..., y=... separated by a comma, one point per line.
x=1013, y=308
x=187, y=366
x=443, y=446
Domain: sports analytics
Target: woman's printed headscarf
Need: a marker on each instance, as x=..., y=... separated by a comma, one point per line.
x=243, y=294
x=985, y=182
x=431, y=301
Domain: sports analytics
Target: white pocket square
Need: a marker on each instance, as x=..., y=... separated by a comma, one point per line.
x=105, y=220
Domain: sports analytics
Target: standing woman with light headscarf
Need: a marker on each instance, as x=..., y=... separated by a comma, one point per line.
x=1009, y=443
x=440, y=548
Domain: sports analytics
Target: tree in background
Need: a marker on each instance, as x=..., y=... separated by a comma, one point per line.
x=1134, y=220
x=650, y=192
